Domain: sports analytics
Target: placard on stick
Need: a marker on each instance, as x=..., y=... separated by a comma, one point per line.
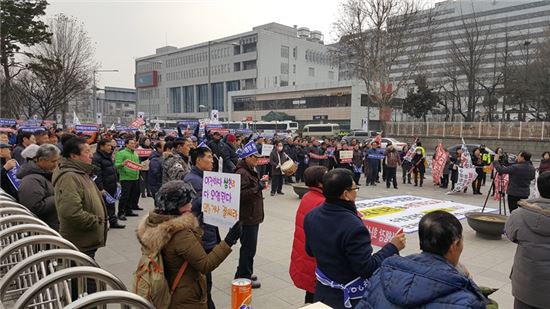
x=221, y=195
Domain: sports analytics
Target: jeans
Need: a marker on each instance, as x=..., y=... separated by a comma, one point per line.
x=373, y=175
x=276, y=183
x=249, y=242
x=391, y=173
x=129, y=196
x=513, y=201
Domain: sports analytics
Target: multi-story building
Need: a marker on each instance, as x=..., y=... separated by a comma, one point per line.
x=117, y=105
x=174, y=82
x=498, y=33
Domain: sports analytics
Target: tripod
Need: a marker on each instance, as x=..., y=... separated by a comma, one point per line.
x=502, y=195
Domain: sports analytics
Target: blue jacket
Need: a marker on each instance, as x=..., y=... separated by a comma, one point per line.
x=423, y=280
x=211, y=236
x=341, y=244
x=154, y=177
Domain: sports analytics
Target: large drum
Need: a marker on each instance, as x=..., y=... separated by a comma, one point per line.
x=289, y=168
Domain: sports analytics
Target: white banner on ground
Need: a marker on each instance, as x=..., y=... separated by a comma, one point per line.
x=221, y=195
x=405, y=211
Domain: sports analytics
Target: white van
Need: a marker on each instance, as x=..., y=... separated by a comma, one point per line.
x=320, y=130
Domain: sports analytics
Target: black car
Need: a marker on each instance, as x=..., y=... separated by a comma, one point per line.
x=471, y=147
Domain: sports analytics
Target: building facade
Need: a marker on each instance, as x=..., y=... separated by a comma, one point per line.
x=117, y=105
x=174, y=82
x=499, y=34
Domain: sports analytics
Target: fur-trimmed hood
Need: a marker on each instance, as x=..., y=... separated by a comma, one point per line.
x=537, y=215
x=155, y=231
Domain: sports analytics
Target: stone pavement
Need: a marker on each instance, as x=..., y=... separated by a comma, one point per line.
x=489, y=261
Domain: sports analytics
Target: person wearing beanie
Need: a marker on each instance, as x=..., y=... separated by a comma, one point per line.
x=174, y=231
x=232, y=145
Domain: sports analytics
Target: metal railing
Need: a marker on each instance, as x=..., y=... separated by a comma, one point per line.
x=39, y=269
x=534, y=131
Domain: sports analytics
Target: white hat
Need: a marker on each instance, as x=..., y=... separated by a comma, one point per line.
x=30, y=151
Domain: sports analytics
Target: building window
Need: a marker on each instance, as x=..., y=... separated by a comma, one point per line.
x=284, y=83
x=311, y=72
x=295, y=52
x=293, y=69
x=284, y=68
x=284, y=51
x=331, y=75
x=217, y=97
x=175, y=99
x=188, y=99
x=249, y=65
x=202, y=95
x=233, y=85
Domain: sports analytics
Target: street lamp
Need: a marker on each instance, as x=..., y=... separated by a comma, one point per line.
x=209, y=97
x=94, y=94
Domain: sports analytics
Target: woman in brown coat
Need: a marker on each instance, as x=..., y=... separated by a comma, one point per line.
x=172, y=229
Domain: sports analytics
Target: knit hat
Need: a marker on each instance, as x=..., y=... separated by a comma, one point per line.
x=173, y=195
x=30, y=151
x=231, y=138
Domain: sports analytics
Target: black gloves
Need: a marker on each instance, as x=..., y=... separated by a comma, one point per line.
x=234, y=234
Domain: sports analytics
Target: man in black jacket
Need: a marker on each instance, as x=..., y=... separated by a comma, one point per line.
x=221, y=154
x=521, y=175
x=335, y=233
x=107, y=180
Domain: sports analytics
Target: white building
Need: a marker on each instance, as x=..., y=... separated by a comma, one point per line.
x=513, y=27
x=173, y=83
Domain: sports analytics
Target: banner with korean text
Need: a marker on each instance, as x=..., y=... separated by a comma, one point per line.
x=221, y=195
x=438, y=164
x=405, y=211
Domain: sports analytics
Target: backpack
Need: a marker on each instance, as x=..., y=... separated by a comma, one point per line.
x=150, y=282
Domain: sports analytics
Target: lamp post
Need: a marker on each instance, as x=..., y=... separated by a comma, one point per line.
x=526, y=44
x=94, y=91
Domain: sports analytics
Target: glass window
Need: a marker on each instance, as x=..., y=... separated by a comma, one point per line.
x=284, y=68
x=188, y=99
x=294, y=69
x=175, y=99
x=284, y=51
x=202, y=95
x=233, y=85
x=295, y=52
x=311, y=72
x=249, y=65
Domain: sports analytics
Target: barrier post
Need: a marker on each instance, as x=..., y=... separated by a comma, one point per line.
x=520, y=131
x=479, y=131
x=542, y=132
x=499, y=127
x=461, y=128
x=444, y=125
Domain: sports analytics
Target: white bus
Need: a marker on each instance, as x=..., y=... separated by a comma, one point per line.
x=320, y=130
x=272, y=127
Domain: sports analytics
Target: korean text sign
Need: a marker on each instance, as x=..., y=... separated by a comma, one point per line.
x=221, y=195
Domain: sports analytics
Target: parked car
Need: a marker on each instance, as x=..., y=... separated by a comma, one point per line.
x=360, y=136
x=386, y=140
x=471, y=147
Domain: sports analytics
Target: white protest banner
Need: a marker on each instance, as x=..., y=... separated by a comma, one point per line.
x=346, y=156
x=266, y=150
x=405, y=211
x=465, y=177
x=438, y=164
x=221, y=195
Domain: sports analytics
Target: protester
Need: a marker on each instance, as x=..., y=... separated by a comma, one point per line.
x=479, y=163
x=203, y=161
x=53, y=139
x=335, y=233
x=302, y=266
x=173, y=230
x=301, y=159
x=232, y=145
x=251, y=212
x=357, y=161
x=24, y=139
x=529, y=227
x=315, y=153
x=418, y=166
x=80, y=209
x=521, y=174
x=154, y=178
x=446, y=170
x=29, y=153
x=392, y=161
x=129, y=179
x=430, y=279
x=107, y=180
x=6, y=165
x=277, y=158
x=36, y=191
x=221, y=153
x=486, y=158
x=545, y=163
x=145, y=144
x=176, y=164
x=456, y=163
x=373, y=164
x=4, y=138
x=41, y=137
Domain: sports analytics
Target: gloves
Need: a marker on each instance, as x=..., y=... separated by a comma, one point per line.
x=234, y=234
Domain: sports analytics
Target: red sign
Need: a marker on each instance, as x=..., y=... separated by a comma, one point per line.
x=501, y=182
x=144, y=153
x=263, y=161
x=441, y=158
x=380, y=233
x=133, y=165
x=137, y=123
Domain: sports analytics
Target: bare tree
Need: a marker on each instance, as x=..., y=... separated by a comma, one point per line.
x=64, y=67
x=467, y=52
x=376, y=35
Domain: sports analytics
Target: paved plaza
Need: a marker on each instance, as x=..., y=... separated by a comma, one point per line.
x=489, y=261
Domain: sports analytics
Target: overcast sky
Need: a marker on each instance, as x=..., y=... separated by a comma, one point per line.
x=124, y=30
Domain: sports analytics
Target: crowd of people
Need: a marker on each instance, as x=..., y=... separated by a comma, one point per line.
x=74, y=183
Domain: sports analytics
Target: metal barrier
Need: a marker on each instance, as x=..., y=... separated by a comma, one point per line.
x=5, y=196
x=26, y=247
x=29, y=271
x=16, y=232
x=10, y=203
x=111, y=297
x=6, y=222
x=10, y=211
x=40, y=295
